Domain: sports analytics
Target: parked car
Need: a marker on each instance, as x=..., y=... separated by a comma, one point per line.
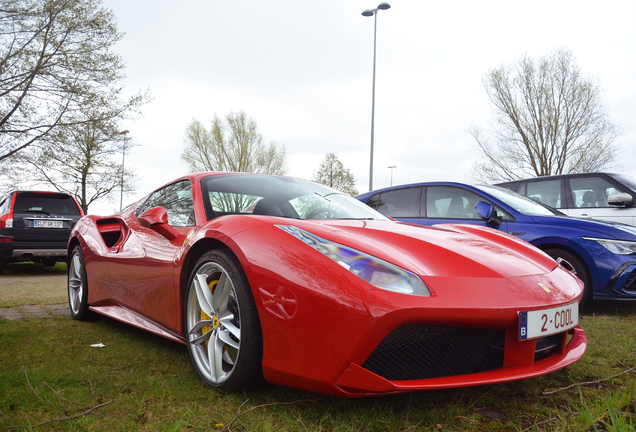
x=604, y=196
x=601, y=254
x=281, y=278
x=35, y=226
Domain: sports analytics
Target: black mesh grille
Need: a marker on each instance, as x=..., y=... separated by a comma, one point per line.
x=422, y=351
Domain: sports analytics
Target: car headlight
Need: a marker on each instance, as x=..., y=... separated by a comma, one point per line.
x=620, y=247
x=375, y=271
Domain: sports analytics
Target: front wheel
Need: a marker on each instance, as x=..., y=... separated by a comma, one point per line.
x=577, y=267
x=221, y=324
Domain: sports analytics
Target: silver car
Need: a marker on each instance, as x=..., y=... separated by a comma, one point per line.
x=605, y=196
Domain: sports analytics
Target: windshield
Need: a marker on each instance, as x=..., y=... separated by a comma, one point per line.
x=626, y=180
x=518, y=202
x=261, y=194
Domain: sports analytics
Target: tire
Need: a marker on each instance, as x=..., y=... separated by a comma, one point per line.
x=221, y=324
x=576, y=266
x=77, y=286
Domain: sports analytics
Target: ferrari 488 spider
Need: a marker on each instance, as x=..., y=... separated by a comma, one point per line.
x=294, y=282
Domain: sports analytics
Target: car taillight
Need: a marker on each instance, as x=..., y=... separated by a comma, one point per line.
x=6, y=220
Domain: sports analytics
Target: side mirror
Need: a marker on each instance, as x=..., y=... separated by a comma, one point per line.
x=156, y=219
x=487, y=212
x=620, y=200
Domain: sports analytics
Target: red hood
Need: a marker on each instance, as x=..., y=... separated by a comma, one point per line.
x=443, y=250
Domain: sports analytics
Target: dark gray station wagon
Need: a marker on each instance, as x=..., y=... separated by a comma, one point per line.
x=35, y=226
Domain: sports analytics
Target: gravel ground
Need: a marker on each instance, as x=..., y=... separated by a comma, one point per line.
x=33, y=291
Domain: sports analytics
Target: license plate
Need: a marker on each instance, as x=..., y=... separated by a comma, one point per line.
x=48, y=224
x=539, y=323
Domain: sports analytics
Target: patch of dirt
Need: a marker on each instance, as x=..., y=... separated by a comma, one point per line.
x=33, y=285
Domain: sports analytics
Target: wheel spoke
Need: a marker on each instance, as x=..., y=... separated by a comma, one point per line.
x=74, y=283
x=73, y=300
x=222, y=294
x=77, y=301
x=200, y=325
x=200, y=340
x=203, y=294
x=224, y=335
x=215, y=358
x=227, y=323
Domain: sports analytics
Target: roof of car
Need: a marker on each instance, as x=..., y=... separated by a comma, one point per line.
x=559, y=176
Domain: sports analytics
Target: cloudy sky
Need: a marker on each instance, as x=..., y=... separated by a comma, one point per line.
x=303, y=71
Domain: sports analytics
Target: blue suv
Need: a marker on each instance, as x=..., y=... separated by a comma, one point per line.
x=601, y=254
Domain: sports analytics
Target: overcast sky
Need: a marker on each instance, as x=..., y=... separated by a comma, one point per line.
x=303, y=71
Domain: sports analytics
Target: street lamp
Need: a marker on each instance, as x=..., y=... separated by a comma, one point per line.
x=391, y=167
x=123, y=158
x=368, y=13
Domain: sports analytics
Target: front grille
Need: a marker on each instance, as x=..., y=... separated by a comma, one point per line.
x=417, y=351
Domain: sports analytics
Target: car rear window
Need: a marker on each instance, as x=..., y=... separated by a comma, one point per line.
x=52, y=204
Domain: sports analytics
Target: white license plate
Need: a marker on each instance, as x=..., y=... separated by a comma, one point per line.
x=48, y=224
x=539, y=323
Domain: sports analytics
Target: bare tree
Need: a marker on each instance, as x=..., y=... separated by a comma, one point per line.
x=56, y=60
x=232, y=144
x=549, y=120
x=333, y=173
x=85, y=160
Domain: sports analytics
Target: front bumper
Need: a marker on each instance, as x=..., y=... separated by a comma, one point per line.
x=518, y=363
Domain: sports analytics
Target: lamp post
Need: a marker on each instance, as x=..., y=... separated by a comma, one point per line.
x=123, y=158
x=391, y=167
x=374, y=13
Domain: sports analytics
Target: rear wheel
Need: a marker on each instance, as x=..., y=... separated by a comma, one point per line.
x=577, y=267
x=77, y=286
x=221, y=324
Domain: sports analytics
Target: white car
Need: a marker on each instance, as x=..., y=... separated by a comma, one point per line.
x=605, y=196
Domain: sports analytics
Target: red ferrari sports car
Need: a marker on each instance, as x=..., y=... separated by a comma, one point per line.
x=283, y=279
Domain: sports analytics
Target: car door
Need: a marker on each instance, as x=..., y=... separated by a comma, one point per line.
x=143, y=269
x=589, y=199
x=453, y=204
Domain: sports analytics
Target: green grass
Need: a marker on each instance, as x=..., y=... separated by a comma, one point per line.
x=51, y=376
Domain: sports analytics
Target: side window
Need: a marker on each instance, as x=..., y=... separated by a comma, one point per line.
x=591, y=191
x=399, y=202
x=522, y=189
x=177, y=200
x=547, y=192
x=451, y=203
x=373, y=201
